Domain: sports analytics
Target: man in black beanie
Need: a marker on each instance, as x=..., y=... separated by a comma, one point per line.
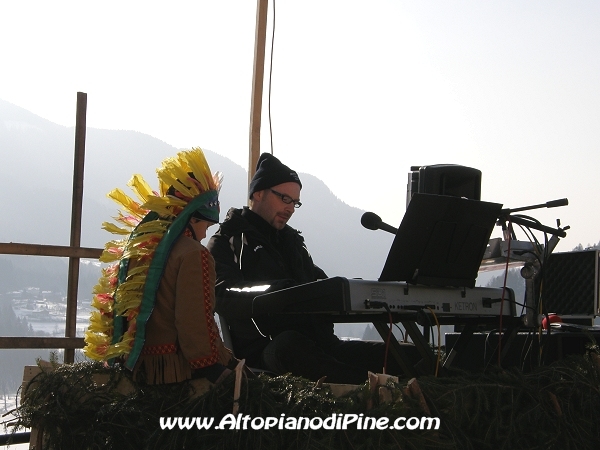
x=254, y=247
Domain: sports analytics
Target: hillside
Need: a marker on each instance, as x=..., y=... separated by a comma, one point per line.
x=36, y=177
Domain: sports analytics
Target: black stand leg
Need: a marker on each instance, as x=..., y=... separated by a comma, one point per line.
x=426, y=365
x=456, y=353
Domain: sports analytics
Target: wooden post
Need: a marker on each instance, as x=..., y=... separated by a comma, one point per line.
x=257, y=85
x=76, y=207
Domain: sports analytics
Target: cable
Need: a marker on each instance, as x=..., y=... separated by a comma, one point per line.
x=389, y=336
x=523, y=305
x=522, y=252
x=437, y=323
x=485, y=347
x=271, y=77
x=537, y=243
x=528, y=233
x=510, y=231
x=404, y=337
x=529, y=339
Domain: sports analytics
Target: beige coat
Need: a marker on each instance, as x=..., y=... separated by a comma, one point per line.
x=181, y=333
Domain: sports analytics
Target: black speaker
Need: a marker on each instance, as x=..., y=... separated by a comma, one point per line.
x=570, y=284
x=523, y=351
x=444, y=179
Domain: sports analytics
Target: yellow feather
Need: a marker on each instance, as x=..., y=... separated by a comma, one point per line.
x=126, y=202
x=112, y=228
x=175, y=176
x=197, y=161
x=140, y=187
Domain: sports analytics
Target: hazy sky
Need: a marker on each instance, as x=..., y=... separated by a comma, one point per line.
x=361, y=91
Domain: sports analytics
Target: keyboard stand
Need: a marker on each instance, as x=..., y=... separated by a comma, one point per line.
x=426, y=365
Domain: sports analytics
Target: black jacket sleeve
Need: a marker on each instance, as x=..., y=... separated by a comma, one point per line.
x=234, y=294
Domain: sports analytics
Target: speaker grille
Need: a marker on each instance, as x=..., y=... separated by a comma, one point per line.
x=570, y=284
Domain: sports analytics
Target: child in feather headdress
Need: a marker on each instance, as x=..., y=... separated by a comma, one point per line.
x=155, y=304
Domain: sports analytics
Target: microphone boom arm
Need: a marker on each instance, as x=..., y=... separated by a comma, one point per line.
x=536, y=226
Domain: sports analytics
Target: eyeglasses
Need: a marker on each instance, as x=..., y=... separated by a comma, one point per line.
x=287, y=199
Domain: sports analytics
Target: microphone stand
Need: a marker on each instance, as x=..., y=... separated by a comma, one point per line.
x=560, y=232
x=532, y=269
x=505, y=215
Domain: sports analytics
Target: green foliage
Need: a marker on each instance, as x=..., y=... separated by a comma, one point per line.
x=556, y=407
x=10, y=324
x=13, y=361
x=580, y=247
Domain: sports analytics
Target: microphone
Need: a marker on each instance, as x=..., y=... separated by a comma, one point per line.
x=372, y=221
x=555, y=203
x=550, y=204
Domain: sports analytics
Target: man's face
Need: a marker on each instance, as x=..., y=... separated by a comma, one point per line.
x=271, y=207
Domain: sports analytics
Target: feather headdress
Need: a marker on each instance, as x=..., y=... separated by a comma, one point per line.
x=125, y=294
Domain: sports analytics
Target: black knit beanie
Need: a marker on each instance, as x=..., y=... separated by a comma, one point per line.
x=271, y=172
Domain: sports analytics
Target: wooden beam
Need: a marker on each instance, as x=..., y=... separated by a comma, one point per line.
x=76, y=208
x=262, y=7
x=16, y=248
x=41, y=342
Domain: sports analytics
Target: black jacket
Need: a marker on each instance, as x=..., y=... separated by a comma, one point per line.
x=248, y=251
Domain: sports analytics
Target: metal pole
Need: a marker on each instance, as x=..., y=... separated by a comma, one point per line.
x=78, y=166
